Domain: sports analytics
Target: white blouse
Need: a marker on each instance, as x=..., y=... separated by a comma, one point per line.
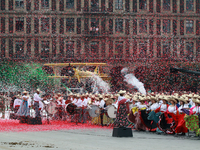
x=172, y=109
x=142, y=106
x=153, y=106
x=196, y=109
x=182, y=106
x=163, y=107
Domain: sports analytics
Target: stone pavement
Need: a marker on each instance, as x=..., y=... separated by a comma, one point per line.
x=93, y=139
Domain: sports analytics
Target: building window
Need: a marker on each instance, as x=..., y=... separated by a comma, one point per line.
x=45, y=24
x=19, y=24
x=45, y=3
x=19, y=3
x=94, y=5
x=119, y=25
x=189, y=50
x=143, y=4
x=166, y=5
x=189, y=26
x=190, y=5
x=95, y=49
x=166, y=26
x=69, y=4
x=119, y=4
x=166, y=49
x=143, y=26
x=44, y=49
x=19, y=49
x=94, y=29
x=118, y=49
x=143, y=49
x=70, y=49
x=70, y=25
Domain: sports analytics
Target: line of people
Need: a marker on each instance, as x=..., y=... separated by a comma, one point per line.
x=170, y=114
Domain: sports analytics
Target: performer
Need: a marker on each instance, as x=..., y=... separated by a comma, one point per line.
x=17, y=103
x=170, y=116
x=60, y=106
x=24, y=110
x=123, y=110
x=78, y=103
x=85, y=100
x=163, y=106
x=154, y=104
x=36, y=99
x=193, y=118
x=181, y=128
x=139, y=126
x=102, y=105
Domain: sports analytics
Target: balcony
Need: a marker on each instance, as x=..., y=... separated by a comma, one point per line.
x=94, y=11
x=94, y=33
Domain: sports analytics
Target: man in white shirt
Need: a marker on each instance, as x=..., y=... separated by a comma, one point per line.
x=101, y=106
x=37, y=98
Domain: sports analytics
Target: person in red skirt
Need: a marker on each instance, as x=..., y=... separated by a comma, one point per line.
x=123, y=110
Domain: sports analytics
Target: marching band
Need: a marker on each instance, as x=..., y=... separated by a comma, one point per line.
x=160, y=112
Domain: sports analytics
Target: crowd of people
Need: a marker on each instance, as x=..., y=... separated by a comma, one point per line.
x=174, y=113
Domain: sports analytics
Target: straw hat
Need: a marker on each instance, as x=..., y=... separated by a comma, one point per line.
x=59, y=94
x=127, y=97
x=78, y=95
x=153, y=98
x=170, y=98
x=25, y=92
x=100, y=96
x=190, y=95
x=182, y=99
x=176, y=97
x=122, y=92
x=97, y=98
x=38, y=90
x=19, y=96
x=196, y=100
x=142, y=98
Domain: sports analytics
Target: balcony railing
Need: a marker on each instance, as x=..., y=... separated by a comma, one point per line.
x=94, y=10
x=94, y=33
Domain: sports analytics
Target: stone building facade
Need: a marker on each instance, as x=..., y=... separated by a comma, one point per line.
x=115, y=31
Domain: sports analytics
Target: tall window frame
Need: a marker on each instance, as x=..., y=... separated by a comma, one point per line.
x=143, y=4
x=166, y=26
x=45, y=48
x=94, y=5
x=19, y=24
x=45, y=25
x=189, y=5
x=189, y=46
x=19, y=4
x=119, y=25
x=119, y=46
x=166, y=49
x=189, y=25
x=19, y=49
x=44, y=4
x=70, y=24
x=70, y=49
x=166, y=5
x=143, y=26
x=143, y=49
x=70, y=4
x=118, y=4
x=94, y=49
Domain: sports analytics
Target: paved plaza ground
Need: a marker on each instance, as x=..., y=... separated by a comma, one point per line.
x=93, y=139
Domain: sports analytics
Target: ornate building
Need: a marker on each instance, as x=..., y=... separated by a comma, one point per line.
x=100, y=30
